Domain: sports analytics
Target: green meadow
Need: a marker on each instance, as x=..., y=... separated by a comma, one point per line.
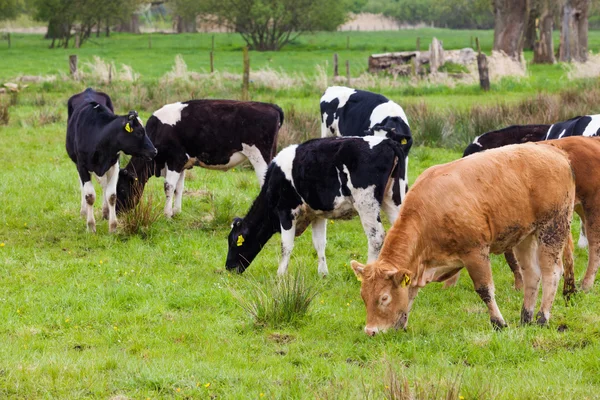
x=155, y=314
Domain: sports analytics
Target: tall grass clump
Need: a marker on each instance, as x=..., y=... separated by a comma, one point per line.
x=140, y=218
x=279, y=301
x=4, y=113
x=298, y=126
x=427, y=125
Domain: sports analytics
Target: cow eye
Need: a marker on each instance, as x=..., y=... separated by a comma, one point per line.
x=385, y=298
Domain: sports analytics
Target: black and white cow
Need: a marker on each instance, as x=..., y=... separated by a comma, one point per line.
x=319, y=179
x=351, y=112
x=95, y=137
x=214, y=134
x=588, y=125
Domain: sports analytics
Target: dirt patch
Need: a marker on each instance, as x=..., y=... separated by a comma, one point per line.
x=281, y=338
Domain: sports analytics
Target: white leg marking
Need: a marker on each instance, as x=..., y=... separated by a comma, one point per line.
x=324, y=129
x=389, y=207
x=368, y=209
x=179, y=193
x=319, y=238
x=90, y=197
x=582, y=243
x=287, y=245
x=83, y=209
x=170, y=181
x=110, y=195
x=256, y=159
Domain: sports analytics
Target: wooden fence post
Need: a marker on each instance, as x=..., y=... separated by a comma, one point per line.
x=212, y=46
x=212, y=63
x=348, y=72
x=8, y=38
x=246, y=76
x=73, y=64
x=109, y=73
x=335, y=65
x=482, y=66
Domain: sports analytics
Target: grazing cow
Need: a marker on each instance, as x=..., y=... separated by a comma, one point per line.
x=456, y=214
x=95, y=136
x=351, y=112
x=588, y=125
x=315, y=180
x=214, y=134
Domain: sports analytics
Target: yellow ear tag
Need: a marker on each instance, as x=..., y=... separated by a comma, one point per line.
x=403, y=141
x=240, y=240
x=405, y=281
x=128, y=128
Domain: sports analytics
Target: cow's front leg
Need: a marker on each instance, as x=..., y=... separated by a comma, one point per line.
x=319, y=238
x=83, y=209
x=287, y=245
x=257, y=160
x=90, y=197
x=110, y=195
x=179, y=193
x=171, y=180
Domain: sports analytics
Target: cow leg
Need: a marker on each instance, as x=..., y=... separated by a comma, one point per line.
x=480, y=271
x=319, y=238
x=583, y=241
x=593, y=235
x=90, y=197
x=83, y=209
x=171, y=179
x=526, y=255
x=515, y=268
x=569, y=269
x=103, y=184
x=110, y=195
x=179, y=193
x=368, y=208
x=389, y=206
x=552, y=269
x=287, y=245
x=257, y=160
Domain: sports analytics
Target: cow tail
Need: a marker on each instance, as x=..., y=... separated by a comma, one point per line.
x=276, y=135
x=399, y=170
x=280, y=111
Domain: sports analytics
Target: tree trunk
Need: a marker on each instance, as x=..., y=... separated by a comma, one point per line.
x=574, y=31
x=107, y=27
x=510, y=18
x=132, y=25
x=185, y=25
x=98, y=29
x=543, y=51
x=531, y=30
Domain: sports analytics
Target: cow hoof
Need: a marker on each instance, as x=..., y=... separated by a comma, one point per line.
x=91, y=228
x=498, y=324
x=113, y=227
x=105, y=214
x=526, y=316
x=586, y=286
x=541, y=319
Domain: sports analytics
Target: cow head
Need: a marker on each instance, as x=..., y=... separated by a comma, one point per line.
x=243, y=246
x=388, y=295
x=128, y=191
x=395, y=129
x=132, y=138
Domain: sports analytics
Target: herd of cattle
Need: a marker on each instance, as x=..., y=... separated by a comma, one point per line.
x=517, y=200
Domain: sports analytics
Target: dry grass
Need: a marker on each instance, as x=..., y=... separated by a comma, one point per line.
x=4, y=113
x=298, y=127
x=141, y=217
x=101, y=71
x=589, y=69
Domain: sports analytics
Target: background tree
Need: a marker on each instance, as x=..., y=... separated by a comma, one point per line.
x=271, y=24
x=185, y=13
x=510, y=18
x=543, y=48
x=9, y=9
x=574, y=30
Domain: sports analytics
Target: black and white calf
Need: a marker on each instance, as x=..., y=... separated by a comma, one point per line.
x=319, y=179
x=95, y=136
x=588, y=125
x=214, y=134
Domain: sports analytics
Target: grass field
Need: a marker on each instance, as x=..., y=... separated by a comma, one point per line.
x=153, y=315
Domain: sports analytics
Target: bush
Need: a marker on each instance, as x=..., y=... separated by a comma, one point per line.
x=279, y=301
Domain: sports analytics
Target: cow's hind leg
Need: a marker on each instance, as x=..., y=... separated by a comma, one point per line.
x=592, y=229
x=83, y=209
x=551, y=267
x=480, y=271
x=368, y=208
x=526, y=255
x=171, y=179
x=90, y=198
x=287, y=245
x=583, y=241
x=257, y=160
x=179, y=193
x=515, y=268
x=319, y=238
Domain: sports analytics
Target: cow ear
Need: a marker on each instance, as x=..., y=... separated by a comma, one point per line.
x=358, y=269
x=400, y=277
x=236, y=222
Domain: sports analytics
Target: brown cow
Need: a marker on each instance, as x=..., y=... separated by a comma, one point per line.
x=584, y=156
x=456, y=214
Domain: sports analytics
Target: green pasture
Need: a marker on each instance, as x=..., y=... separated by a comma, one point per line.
x=153, y=315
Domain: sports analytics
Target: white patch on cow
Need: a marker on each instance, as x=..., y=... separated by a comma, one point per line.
x=562, y=133
x=89, y=195
x=548, y=133
x=257, y=160
x=140, y=121
x=341, y=93
x=285, y=161
x=287, y=245
x=373, y=140
x=385, y=110
x=319, y=238
x=476, y=141
x=324, y=129
x=170, y=114
x=179, y=193
x=368, y=209
x=593, y=126
x=582, y=243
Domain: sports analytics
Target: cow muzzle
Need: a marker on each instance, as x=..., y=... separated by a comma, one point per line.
x=371, y=331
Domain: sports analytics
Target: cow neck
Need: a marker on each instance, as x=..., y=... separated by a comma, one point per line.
x=140, y=168
x=403, y=244
x=262, y=217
